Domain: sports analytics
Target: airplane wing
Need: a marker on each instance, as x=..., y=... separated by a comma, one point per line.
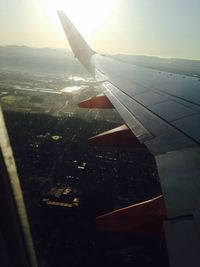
x=162, y=110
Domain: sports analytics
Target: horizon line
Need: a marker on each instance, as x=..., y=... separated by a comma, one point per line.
x=113, y=54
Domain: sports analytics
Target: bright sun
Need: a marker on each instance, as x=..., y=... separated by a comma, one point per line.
x=87, y=15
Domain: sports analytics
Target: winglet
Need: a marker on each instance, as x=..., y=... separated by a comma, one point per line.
x=78, y=45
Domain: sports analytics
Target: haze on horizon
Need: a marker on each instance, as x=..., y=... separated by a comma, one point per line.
x=154, y=27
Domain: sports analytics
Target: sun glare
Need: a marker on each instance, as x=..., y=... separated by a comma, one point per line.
x=87, y=15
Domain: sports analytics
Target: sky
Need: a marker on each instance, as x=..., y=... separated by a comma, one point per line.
x=165, y=28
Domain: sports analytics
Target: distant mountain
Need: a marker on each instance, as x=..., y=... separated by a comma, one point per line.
x=174, y=65
x=62, y=61
x=40, y=60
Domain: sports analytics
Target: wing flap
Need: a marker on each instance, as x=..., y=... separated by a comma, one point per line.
x=182, y=238
x=179, y=176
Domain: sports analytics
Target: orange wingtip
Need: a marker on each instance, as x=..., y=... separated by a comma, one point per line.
x=99, y=101
x=144, y=218
x=118, y=137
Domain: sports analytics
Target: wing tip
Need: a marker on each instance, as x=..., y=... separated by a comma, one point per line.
x=78, y=44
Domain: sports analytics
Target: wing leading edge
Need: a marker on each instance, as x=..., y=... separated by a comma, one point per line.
x=163, y=111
